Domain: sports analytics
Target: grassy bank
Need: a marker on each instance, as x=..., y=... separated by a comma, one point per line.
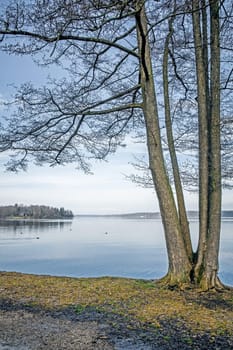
x=142, y=301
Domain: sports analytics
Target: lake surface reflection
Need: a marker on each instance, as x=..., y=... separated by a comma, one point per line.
x=90, y=246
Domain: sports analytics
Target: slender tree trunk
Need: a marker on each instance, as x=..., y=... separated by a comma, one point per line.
x=175, y=167
x=203, y=140
x=179, y=265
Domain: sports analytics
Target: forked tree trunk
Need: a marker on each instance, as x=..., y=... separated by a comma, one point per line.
x=179, y=264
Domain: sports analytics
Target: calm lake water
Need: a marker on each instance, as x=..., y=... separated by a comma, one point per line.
x=87, y=247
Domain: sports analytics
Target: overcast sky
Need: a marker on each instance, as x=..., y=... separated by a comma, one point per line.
x=107, y=191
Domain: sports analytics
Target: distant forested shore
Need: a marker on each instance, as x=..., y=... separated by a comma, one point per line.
x=34, y=212
x=192, y=214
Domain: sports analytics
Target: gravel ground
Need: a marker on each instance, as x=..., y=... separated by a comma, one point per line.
x=28, y=328
x=25, y=330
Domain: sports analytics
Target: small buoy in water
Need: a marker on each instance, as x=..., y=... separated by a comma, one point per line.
x=37, y=237
x=106, y=233
x=21, y=232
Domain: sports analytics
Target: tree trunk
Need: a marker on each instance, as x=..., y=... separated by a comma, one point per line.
x=179, y=265
x=203, y=141
x=175, y=167
x=209, y=145
x=209, y=278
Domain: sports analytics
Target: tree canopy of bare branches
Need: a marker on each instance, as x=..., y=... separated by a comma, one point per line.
x=160, y=69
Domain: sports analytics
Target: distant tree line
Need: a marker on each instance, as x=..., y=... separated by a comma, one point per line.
x=34, y=211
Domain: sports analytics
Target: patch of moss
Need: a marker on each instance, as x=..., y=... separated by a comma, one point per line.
x=145, y=284
x=79, y=308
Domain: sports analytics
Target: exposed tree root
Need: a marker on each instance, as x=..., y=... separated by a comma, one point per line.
x=212, y=283
x=172, y=282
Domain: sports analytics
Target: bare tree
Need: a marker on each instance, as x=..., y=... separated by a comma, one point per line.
x=118, y=56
